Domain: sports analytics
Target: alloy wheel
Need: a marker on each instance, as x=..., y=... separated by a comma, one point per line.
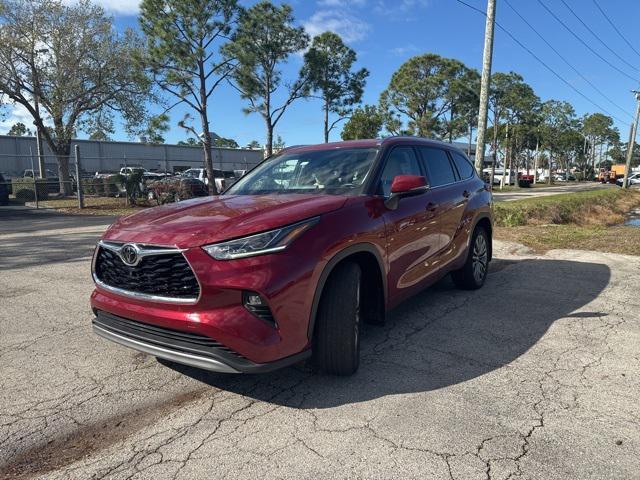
x=479, y=258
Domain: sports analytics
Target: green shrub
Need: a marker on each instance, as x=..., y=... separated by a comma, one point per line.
x=24, y=189
x=112, y=185
x=89, y=186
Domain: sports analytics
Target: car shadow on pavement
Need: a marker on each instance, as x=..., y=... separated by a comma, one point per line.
x=441, y=337
x=31, y=251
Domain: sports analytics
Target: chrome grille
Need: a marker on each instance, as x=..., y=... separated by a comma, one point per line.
x=161, y=273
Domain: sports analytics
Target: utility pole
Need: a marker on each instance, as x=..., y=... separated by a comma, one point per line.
x=78, y=177
x=485, y=83
x=632, y=140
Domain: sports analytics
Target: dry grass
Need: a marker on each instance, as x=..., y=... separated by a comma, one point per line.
x=541, y=238
x=583, y=220
x=95, y=206
x=605, y=207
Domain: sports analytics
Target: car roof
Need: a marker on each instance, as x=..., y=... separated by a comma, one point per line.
x=371, y=143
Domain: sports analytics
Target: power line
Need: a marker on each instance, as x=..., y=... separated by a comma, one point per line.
x=577, y=37
x=615, y=28
x=597, y=37
x=545, y=65
x=578, y=72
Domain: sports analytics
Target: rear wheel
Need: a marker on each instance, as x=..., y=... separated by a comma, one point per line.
x=474, y=273
x=336, y=348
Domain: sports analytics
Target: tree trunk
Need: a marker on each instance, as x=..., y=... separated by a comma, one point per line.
x=506, y=158
x=535, y=162
x=584, y=153
x=208, y=163
x=494, y=147
x=269, y=145
x=451, y=125
x=206, y=135
x=516, y=162
x=62, y=153
x=326, y=122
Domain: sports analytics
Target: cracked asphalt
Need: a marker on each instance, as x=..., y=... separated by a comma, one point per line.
x=536, y=376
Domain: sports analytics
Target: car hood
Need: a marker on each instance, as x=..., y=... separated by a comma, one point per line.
x=207, y=220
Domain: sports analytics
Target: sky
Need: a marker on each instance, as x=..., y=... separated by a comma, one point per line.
x=386, y=33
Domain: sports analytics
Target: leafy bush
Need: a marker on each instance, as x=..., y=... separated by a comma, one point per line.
x=112, y=185
x=25, y=189
x=89, y=186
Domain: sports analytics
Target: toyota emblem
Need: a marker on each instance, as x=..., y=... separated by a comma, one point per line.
x=129, y=255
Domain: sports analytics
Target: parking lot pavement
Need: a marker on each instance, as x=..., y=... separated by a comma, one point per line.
x=546, y=191
x=535, y=376
x=30, y=237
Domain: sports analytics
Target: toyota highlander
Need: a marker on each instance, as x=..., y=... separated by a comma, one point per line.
x=291, y=260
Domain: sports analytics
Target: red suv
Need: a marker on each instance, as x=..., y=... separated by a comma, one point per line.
x=290, y=260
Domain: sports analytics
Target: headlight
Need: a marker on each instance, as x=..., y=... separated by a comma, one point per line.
x=267, y=242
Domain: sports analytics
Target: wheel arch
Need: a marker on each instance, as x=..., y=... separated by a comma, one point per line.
x=485, y=222
x=370, y=261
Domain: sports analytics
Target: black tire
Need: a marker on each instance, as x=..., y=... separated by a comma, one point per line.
x=474, y=273
x=336, y=341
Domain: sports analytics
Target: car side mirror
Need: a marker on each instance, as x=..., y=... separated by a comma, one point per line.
x=405, y=186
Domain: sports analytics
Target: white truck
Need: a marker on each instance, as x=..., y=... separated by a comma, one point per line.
x=223, y=178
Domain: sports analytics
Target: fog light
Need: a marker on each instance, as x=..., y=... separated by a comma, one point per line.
x=258, y=306
x=252, y=299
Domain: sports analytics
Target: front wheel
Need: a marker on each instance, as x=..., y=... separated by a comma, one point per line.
x=474, y=272
x=336, y=341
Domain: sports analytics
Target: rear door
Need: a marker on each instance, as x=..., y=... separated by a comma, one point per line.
x=450, y=194
x=411, y=229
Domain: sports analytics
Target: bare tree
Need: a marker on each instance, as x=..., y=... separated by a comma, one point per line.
x=65, y=64
x=183, y=41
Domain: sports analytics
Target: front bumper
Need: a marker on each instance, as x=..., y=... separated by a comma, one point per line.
x=180, y=347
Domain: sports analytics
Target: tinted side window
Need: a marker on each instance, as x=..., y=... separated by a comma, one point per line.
x=439, y=168
x=465, y=169
x=401, y=161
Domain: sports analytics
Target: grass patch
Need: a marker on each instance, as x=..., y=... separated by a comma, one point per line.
x=95, y=206
x=589, y=220
x=542, y=238
x=603, y=207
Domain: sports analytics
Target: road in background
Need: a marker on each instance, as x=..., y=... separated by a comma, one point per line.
x=570, y=187
x=457, y=385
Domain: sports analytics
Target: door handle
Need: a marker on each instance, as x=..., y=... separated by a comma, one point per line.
x=466, y=194
x=431, y=207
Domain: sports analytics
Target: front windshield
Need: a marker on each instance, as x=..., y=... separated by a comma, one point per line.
x=338, y=171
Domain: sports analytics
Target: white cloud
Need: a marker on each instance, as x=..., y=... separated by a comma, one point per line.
x=350, y=28
x=404, y=50
x=10, y=114
x=402, y=7
x=122, y=7
x=15, y=114
x=342, y=3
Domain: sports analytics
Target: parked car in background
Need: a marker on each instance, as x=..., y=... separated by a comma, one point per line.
x=53, y=180
x=223, y=178
x=293, y=259
x=175, y=189
x=29, y=173
x=147, y=174
x=4, y=190
x=497, y=176
x=633, y=180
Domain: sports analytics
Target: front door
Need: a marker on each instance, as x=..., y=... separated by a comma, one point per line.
x=411, y=229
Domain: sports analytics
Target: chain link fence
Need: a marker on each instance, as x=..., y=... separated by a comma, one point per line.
x=117, y=181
